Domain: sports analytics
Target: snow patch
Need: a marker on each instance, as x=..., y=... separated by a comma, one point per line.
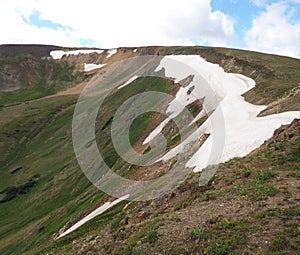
x=93, y=214
x=156, y=131
x=129, y=81
x=135, y=50
x=58, y=54
x=90, y=67
x=111, y=52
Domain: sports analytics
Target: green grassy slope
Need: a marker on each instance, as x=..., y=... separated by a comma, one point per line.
x=42, y=187
x=39, y=141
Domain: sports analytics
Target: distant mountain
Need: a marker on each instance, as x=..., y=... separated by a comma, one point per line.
x=14, y=50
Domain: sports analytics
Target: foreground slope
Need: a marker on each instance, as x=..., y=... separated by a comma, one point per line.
x=247, y=207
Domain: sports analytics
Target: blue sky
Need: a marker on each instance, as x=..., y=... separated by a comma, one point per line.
x=242, y=11
x=35, y=20
x=262, y=25
x=245, y=12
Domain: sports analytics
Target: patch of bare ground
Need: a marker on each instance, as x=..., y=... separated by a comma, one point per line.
x=76, y=90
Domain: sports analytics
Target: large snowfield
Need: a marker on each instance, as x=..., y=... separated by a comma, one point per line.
x=243, y=131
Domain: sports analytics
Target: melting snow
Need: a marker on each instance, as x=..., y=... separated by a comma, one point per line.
x=58, y=54
x=90, y=67
x=111, y=52
x=93, y=214
x=244, y=131
x=156, y=131
x=129, y=81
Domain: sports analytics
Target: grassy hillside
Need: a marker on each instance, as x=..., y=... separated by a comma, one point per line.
x=250, y=207
x=39, y=173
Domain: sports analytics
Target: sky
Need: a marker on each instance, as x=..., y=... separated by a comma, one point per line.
x=260, y=25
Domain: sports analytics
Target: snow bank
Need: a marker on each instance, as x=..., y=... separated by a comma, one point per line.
x=58, y=54
x=90, y=67
x=243, y=130
x=156, y=131
x=111, y=52
x=93, y=214
x=129, y=81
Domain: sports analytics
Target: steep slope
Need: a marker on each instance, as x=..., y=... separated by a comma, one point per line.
x=251, y=206
x=41, y=177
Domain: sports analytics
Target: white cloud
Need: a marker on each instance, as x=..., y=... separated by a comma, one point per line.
x=14, y=29
x=259, y=3
x=113, y=23
x=274, y=31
